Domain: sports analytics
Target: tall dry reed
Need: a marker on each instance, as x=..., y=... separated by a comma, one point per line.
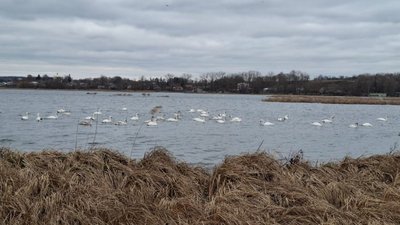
x=103, y=187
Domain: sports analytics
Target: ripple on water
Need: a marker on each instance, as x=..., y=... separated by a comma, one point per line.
x=6, y=140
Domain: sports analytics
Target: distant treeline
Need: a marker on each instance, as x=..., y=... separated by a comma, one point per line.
x=251, y=82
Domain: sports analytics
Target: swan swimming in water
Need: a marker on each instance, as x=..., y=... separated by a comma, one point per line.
x=281, y=119
x=354, y=125
x=135, y=117
x=152, y=122
x=199, y=120
x=38, y=118
x=52, y=117
x=236, y=119
x=367, y=125
x=121, y=122
x=318, y=124
x=381, y=119
x=109, y=120
x=330, y=120
x=26, y=117
x=266, y=123
x=174, y=119
x=85, y=122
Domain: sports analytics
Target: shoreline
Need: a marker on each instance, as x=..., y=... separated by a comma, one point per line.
x=101, y=186
x=333, y=99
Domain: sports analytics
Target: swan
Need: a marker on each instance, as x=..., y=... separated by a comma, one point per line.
x=281, y=119
x=367, y=125
x=97, y=113
x=192, y=110
x=160, y=118
x=330, y=120
x=263, y=123
x=38, y=118
x=135, y=117
x=66, y=113
x=61, y=111
x=381, y=119
x=197, y=119
x=354, y=125
x=26, y=117
x=204, y=114
x=152, y=122
x=124, y=109
x=217, y=117
x=85, y=123
x=121, y=122
x=90, y=117
x=175, y=119
x=236, y=119
x=318, y=124
x=52, y=117
x=222, y=120
x=109, y=120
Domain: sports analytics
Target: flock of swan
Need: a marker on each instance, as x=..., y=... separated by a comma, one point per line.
x=201, y=117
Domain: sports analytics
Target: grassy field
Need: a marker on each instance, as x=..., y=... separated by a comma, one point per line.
x=334, y=99
x=104, y=187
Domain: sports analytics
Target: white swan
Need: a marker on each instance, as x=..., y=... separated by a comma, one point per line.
x=174, y=119
x=85, y=123
x=135, y=117
x=192, y=110
x=330, y=120
x=354, y=125
x=109, y=120
x=38, y=118
x=318, y=124
x=236, y=119
x=61, y=111
x=90, y=117
x=97, y=113
x=281, y=119
x=152, y=122
x=265, y=123
x=51, y=117
x=26, y=117
x=382, y=119
x=367, y=125
x=204, y=114
x=197, y=119
x=121, y=122
x=124, y=109
x=220, y=120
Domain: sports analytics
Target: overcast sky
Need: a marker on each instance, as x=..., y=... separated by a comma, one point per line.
x=89, y=38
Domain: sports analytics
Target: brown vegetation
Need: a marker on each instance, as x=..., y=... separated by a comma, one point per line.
x=103, y=187
x=334, y=99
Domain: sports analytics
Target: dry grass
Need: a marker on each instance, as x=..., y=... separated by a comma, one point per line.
x=334, y=99
x=103, y=187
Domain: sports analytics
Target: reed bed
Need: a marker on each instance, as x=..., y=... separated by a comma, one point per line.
x=334, y=99
x=103, y=187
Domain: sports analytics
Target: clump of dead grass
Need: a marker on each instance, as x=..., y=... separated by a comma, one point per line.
x=103, y=187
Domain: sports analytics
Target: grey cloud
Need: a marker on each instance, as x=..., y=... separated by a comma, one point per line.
x=132, y=38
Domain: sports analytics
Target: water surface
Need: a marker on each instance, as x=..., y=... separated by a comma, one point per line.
x=188, y=140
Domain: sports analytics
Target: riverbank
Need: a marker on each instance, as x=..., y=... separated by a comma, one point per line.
x=334, y=99
x=104, y=187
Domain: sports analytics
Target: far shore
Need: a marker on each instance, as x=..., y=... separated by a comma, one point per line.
x=334, y=99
